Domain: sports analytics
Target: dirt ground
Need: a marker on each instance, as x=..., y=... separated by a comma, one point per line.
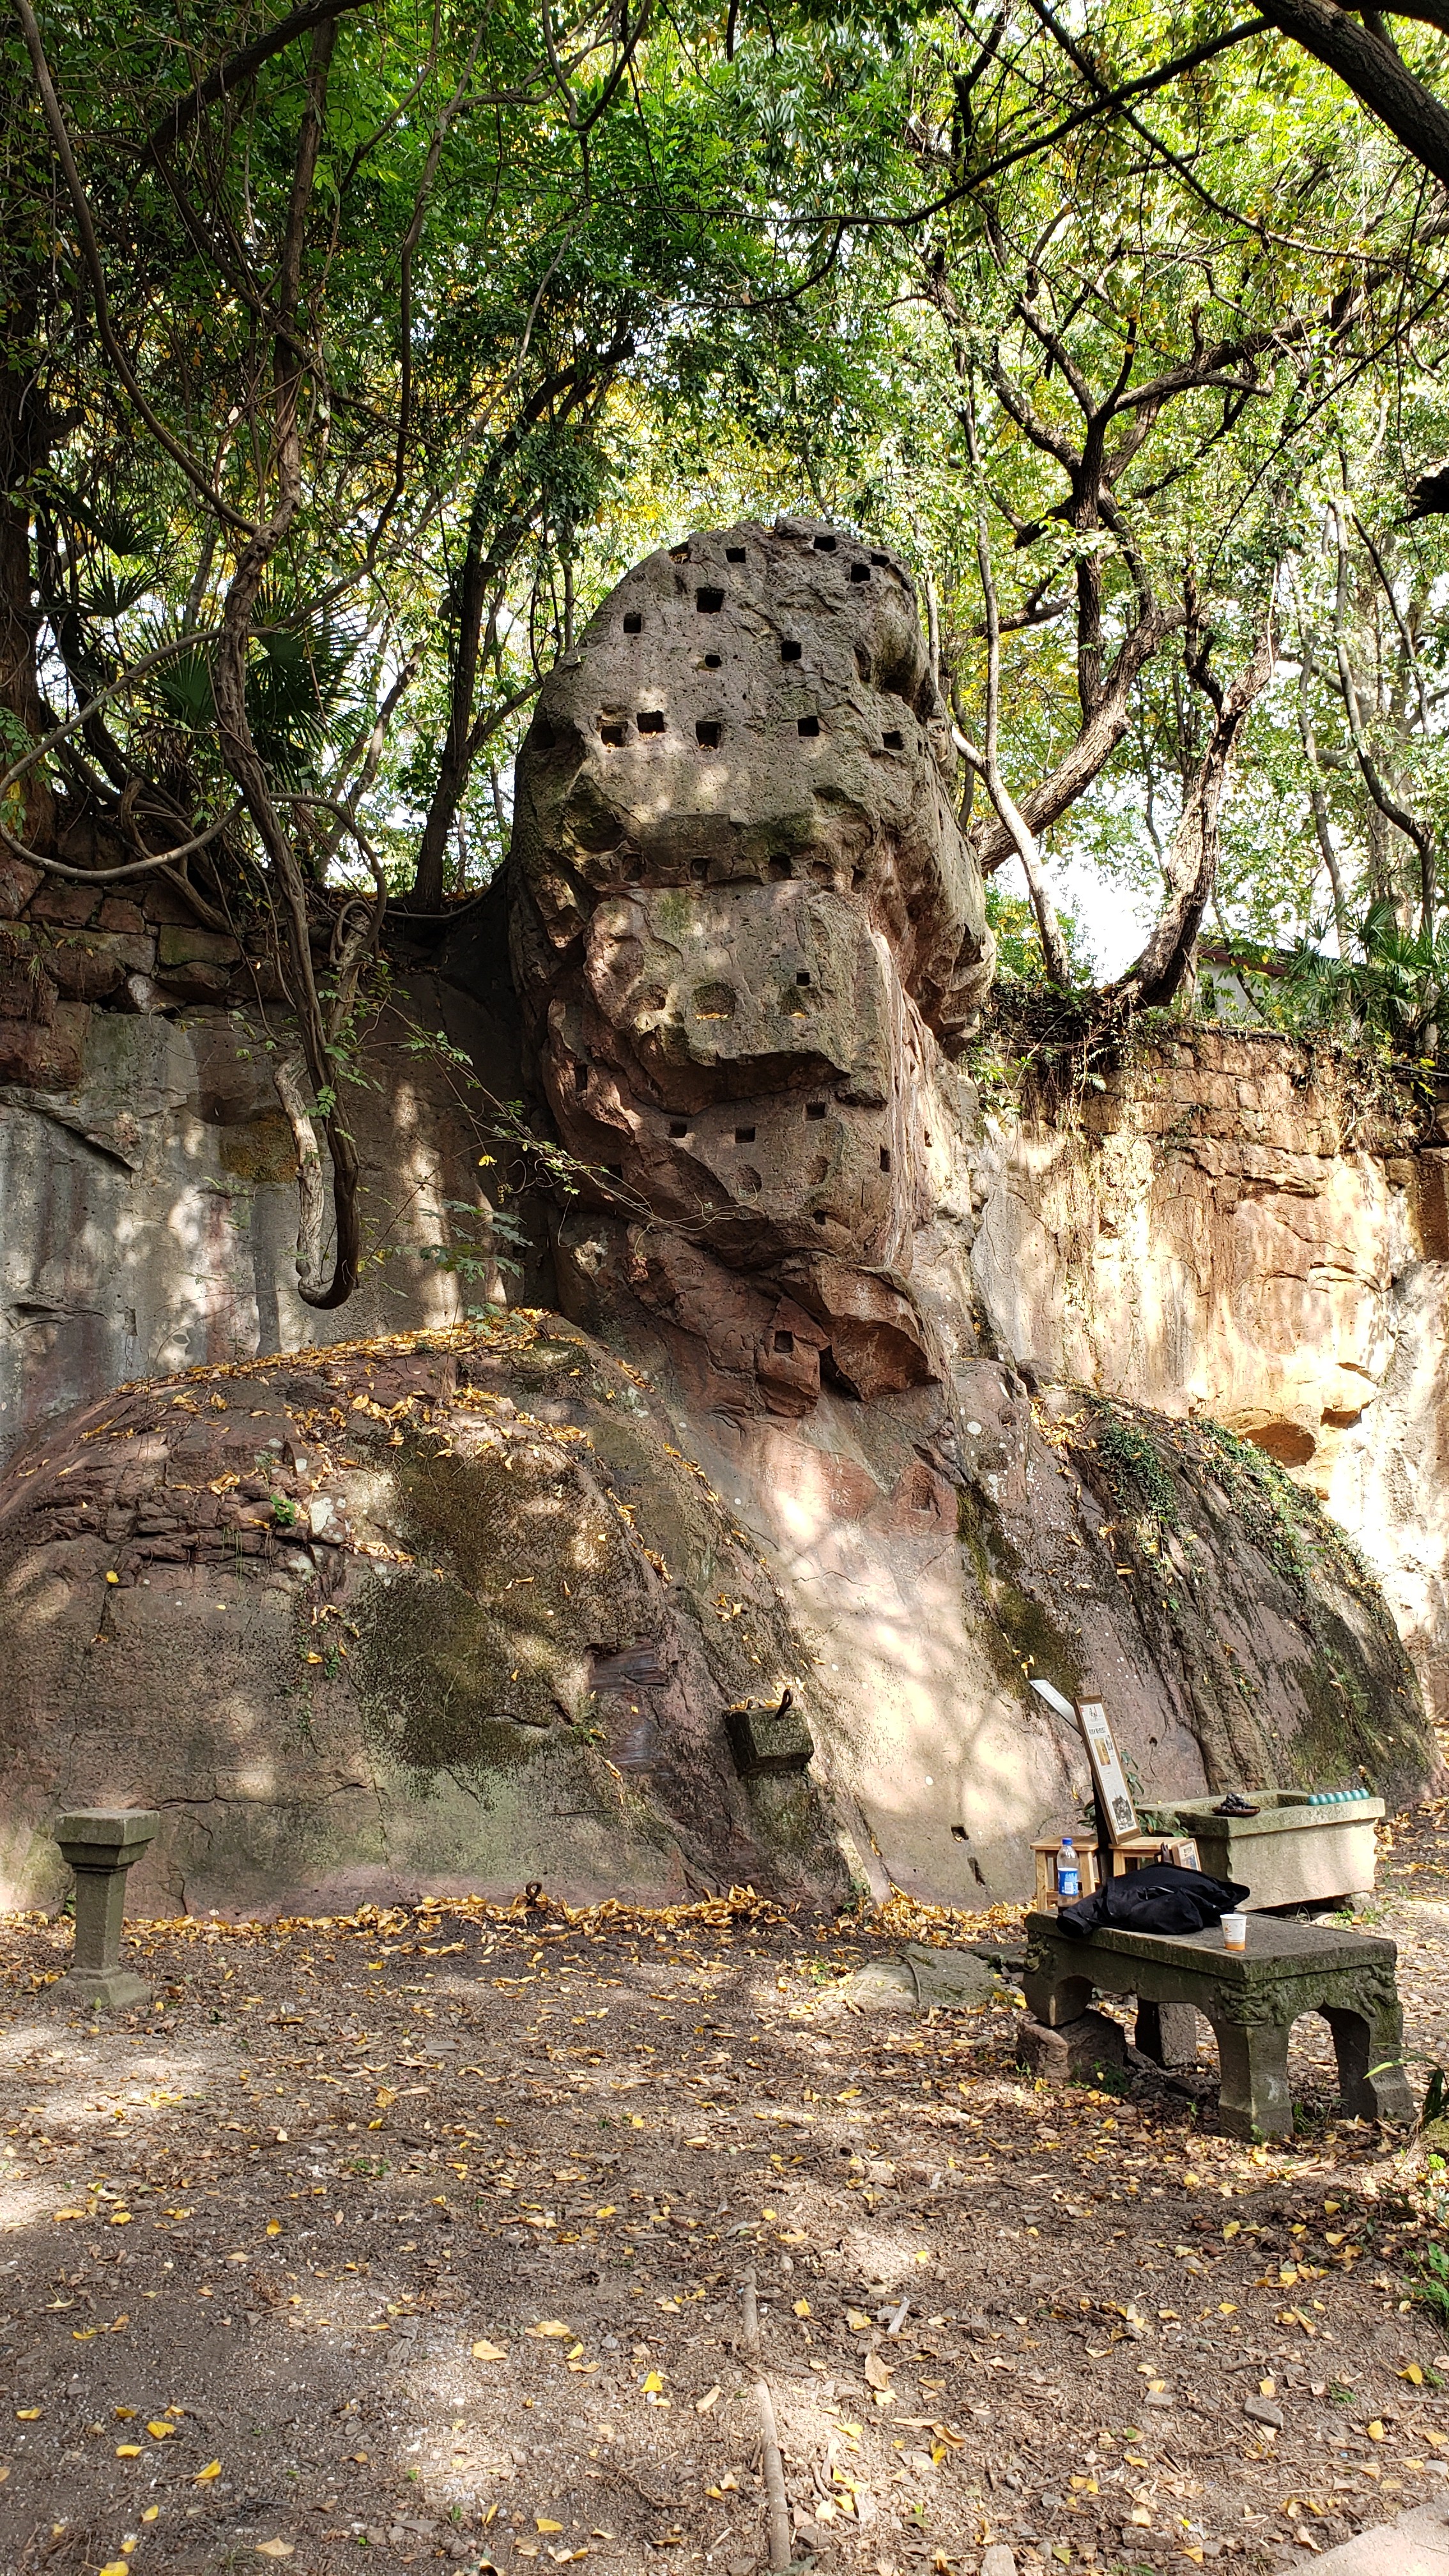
x=420, y=2237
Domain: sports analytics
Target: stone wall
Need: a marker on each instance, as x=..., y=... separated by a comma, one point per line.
x=1228, y=1229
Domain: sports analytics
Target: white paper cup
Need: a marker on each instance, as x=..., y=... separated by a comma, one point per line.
x=1235, y=1931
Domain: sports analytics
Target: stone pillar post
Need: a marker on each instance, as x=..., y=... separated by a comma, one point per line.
x=101, y=1844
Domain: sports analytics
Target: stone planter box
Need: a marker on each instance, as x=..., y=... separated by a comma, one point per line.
x=1288, y=1854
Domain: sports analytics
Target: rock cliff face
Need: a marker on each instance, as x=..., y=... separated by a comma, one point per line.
x=1229, y=1228
x=148, y=1208
x=854, y=1390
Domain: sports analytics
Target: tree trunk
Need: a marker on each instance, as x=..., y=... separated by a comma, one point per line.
x=24, y=446
x=1374, y=72
x=1192, y=861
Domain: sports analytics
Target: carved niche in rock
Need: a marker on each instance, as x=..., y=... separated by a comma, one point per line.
x=745, y=920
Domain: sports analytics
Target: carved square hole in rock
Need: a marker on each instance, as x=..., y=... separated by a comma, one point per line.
x=614, y=734
x=679, y=554
x=711, y=661
x=892, y=741
x=860, y=572
x=808, y=727
x=734, y=554
x=581, y=1077
x=881, y=559
x=802, y=974
x=791, y=651
x=615, y=1171
x=785, y=1342
x=678, y=1127
x=709, y=733
x=780, y=867
x=825, y=545
x=959, y=1834
x=885, y=1158
x=633, y=623
x=814, y=1108
x=543, y=737
x=820, y=1217
x=744, y=1135
x=699, y=868
x=652, y=722
x=709, y=602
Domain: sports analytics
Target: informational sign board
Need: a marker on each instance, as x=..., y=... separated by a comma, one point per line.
x=1116, y=1804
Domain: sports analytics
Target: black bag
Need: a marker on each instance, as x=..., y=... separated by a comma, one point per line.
x=1160, y=1898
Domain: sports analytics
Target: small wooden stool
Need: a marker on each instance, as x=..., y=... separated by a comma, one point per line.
x=1133, y=1853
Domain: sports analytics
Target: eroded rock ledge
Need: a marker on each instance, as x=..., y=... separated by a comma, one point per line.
x=460, y=1610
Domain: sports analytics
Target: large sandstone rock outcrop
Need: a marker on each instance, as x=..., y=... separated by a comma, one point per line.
x=858, y=1391
x=389, y=1617
x=745, y=925
x=419, y=1615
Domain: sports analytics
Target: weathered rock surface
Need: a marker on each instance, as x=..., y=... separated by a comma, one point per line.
x=392, y=1618
x=745, y=924
x=148, y=1208
x=1228, y=1229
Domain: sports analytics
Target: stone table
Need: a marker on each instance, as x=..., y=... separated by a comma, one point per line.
x=101, y=1845
x=1250, y=1997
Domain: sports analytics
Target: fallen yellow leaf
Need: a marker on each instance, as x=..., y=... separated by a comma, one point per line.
x=483, y=2350
x=128, y=2450
x=857, y=2323
x=120, y=2218
x=1414, y=2373
x=802, y=2307
x=274, y=2227
x=160, y=2432
x=204, y=2476
x=275, y=2548
x=116, y=2567
x=127, y=2414
x=26, y=2414
x=151, y=2512
x=1376, y=2431
x=551, y=2326
x=541, y=2522
x=653, y=2385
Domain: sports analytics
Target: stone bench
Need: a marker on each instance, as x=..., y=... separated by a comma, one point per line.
x=1250, y=1997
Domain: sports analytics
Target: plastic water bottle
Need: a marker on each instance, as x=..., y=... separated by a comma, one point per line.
x=1069, y=1876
